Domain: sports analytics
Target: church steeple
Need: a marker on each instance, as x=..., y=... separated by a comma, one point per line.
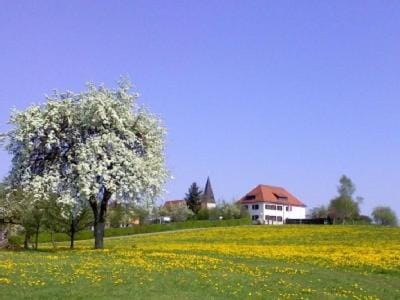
x=208, y=199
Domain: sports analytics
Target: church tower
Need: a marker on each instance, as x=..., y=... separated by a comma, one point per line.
x=208, y=200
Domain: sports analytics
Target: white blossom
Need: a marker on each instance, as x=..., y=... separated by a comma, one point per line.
x=77, y=145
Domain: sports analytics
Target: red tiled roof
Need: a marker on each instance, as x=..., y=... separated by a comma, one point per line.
x=270, y=194
x=174, y=202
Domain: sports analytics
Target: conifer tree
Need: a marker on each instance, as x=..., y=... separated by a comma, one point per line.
x=193, y=198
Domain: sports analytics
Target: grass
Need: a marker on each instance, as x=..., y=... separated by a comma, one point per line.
x=273, y=262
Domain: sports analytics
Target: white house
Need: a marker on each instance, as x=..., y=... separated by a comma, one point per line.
x=272, y=205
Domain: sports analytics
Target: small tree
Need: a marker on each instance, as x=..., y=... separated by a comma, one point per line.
x=119, y=215
x=53, y=218
x=193, y=198
x=319, y=212
x=384, y=215
x=77, y=221
x=19, y=208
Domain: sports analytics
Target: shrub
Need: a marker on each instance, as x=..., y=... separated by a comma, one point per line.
x=203, y=214
x=15, y=240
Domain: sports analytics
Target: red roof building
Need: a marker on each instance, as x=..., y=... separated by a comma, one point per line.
x=271, y=194
x=272, y=205
x=170, y=203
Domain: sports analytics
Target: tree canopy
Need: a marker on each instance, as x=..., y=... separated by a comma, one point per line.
x=345, y=207
x=193, y=197
x=86, y=148
x=384, y=215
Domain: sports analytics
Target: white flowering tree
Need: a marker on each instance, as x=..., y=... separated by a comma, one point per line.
x=88, y=148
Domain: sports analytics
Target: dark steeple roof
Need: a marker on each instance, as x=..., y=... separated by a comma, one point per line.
x=208, y=195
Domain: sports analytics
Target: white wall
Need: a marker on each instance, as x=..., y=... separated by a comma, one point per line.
x=296, y=212
x=211, y=205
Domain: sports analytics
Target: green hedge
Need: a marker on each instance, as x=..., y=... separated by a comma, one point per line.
x=45, y=237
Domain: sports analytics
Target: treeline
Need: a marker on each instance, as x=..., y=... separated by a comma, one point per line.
x=22, y=215
x=47, y=237
x=193, y=209
x=345, y=208
x=32, y=222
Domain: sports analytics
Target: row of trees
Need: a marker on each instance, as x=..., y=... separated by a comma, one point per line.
x=76, y=152
x=22, y=214
x=192, y=208
x=179, y=213
x=346, y=207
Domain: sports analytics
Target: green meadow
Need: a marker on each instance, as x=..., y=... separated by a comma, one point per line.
x=243, y=262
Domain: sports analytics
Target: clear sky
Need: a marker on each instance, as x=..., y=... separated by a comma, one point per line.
x=289, y=93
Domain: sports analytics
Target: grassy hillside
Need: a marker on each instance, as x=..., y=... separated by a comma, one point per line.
x=286, y=262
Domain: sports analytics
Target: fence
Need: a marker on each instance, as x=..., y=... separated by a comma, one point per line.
x=326, y=221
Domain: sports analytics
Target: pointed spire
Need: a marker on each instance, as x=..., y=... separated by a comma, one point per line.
x=208, y=196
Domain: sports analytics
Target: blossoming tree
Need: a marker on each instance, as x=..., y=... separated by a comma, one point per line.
x=88, y=148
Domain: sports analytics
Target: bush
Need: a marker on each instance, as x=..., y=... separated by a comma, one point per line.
x=203, y=214
x=16, y=240
x=214, y=214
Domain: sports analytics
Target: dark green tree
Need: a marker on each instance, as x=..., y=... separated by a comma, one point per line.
x=346, y=187
x=384, y=215
x=193, y=198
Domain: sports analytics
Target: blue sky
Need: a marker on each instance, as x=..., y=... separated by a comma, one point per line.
x=289, y=93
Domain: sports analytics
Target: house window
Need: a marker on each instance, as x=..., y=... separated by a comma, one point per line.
x=270, y=206
x=254, y=217
x=288, y=208
x=279, y=207
x=279, y=219
x=280, y=196
x=255, y=206
x=246, y=207
x=270, y=218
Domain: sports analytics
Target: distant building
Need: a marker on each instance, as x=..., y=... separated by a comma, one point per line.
x=135, y=220
x=272, y=205
x=207, y=199
x=172, y=203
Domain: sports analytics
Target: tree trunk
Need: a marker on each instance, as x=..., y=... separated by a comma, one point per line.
x=26, y=241
x=99, y=235
x=99, y=214
x=37, y=237
x=72, y=236
x=53, y=240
